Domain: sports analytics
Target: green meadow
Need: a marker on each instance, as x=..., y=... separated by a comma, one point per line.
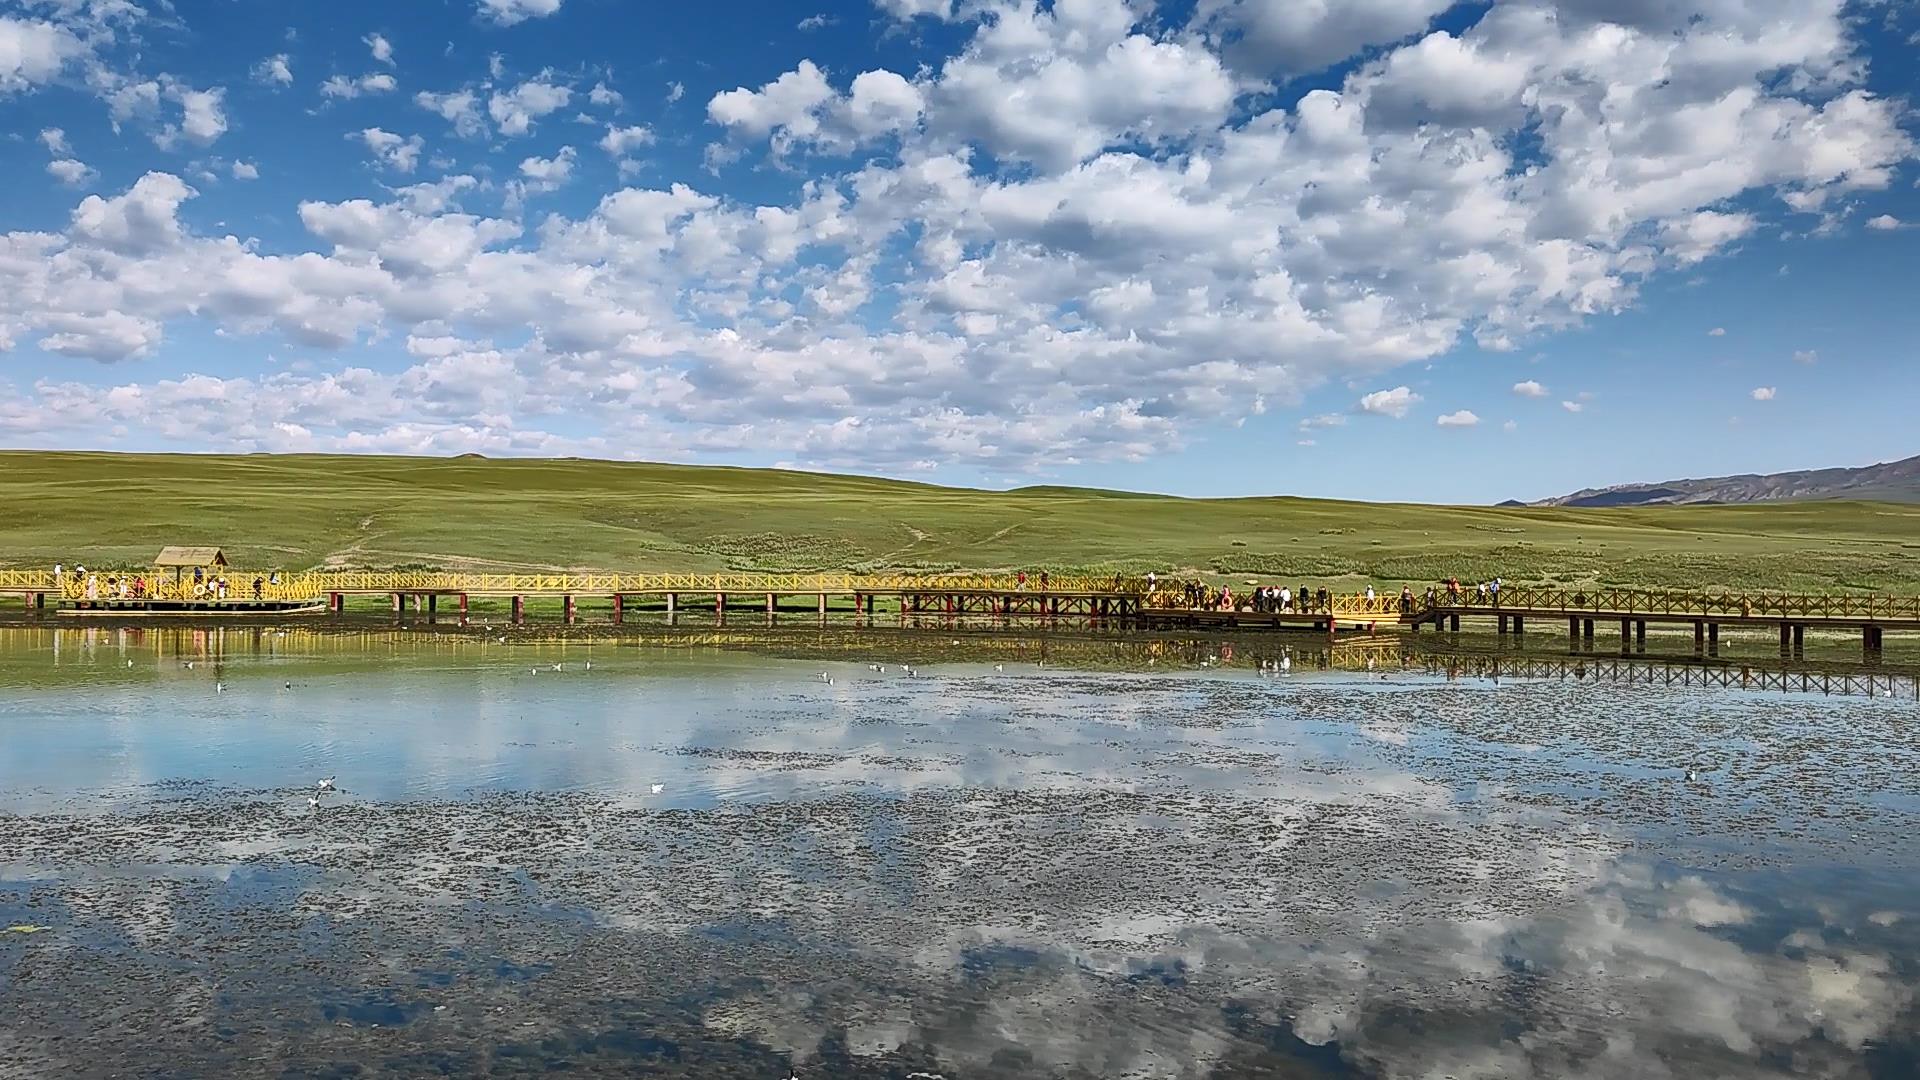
x=302, y=511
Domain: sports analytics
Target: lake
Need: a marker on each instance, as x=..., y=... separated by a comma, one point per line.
x=713, y=853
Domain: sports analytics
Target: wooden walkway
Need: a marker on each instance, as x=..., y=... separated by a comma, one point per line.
x=1118, y=600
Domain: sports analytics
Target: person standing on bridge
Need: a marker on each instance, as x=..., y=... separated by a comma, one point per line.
x=1021, y=581
x=1044, y=581
x=1370, y=596
x=1322, y=601
x=1286, y=598
x=1151, y=582
x=1406, y=599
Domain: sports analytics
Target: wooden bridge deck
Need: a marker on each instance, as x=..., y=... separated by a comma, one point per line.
x=1125, y=600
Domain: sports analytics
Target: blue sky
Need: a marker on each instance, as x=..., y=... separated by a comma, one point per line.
x=1388, y=249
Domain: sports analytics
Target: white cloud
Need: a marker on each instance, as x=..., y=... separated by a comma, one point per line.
x=904, y=10
x=1806, y=356
x=33, y=52
x=1763, y=393
x=340, y=86
x=1324, y=420
x=274, y=71
x=815, y=22
x=401, y=154
x=548, y=174
x=603, y=95
x=510, y=12
x=1572, y=406
x=1883, y=223
x=1077, y=236
x=460, y=108
x=514, y=111
x=203, y=115
x=621, y=141
x=1272, y=37
x=1395, y=402
x=1462, y=418
x=1511, y=425
x=70, y=172
x=380, y=47
x=675, y=91
x=55, y=140
x=1530, y=389
x=245, y=170
x=1718, y=331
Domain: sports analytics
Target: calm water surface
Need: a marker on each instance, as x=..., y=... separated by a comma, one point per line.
x=1033, y=857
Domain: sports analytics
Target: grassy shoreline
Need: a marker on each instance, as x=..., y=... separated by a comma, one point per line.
x=303, y=511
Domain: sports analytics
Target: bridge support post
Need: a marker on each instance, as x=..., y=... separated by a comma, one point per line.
x=1503, y=625
x=433, y=604
x=337, y=603
x=1573, y=630
x=1786, y=639
x=519, y=610
x=619, y=609
x=1453, y=623
x=673, y=601
x=1699, y=637
x=823, y=607
x=720, y=604
x=1713, y=639
x=399, y=603
x=1870, y=639
x=1799, y=639
x=1586, y=631
x=1519, y=625
x=770, y=602
x=566, y=605
x=1640, y=634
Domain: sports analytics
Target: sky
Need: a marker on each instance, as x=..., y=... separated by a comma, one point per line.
x=1379, y=249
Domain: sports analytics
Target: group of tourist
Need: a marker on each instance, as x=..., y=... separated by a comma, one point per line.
x=82, y=583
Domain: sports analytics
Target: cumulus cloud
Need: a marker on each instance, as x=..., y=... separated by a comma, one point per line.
x=1763, y=393
x=604, y=96
x=340, y=86
x=800, y=110
x=1462, y=418
x=622, y=141
x=1883, y=223
x=461, y=108
x=1275, y=37
x=1572, y=406
x=511, y=12
x=245, y=170
x=1806, y=356
x=1530, y=389
x=380, y=47
x=514, y=111
x=70, y=172
x=1718, y=331
x=547, y=174
x=1395, y=402
x=1067, y=238
x=33, y=52
x=274, y=71
x=401, y=154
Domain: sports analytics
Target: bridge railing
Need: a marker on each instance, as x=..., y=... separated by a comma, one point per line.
x=1731, y=604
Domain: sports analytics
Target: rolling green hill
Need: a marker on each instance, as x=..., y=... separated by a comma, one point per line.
x=300, y=511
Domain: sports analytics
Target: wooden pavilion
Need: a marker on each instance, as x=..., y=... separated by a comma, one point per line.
x=181, y=559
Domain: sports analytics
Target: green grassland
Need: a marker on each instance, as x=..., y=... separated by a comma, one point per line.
x=301, y=511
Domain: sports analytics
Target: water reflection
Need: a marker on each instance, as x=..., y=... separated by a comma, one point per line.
x=1040, y=856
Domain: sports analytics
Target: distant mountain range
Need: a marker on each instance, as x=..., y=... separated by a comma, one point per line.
x=1892, y=481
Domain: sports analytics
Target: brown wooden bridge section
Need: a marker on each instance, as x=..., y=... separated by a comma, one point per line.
x=1512, y=609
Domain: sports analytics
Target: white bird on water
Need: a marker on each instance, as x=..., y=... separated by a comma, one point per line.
x=313, y=803
x=589, y=665
x=556, y=667
x=999, y=667
x=326, y=783
x=657, y=788
x=219, y=688
x=129, y=663
x=826, y=678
